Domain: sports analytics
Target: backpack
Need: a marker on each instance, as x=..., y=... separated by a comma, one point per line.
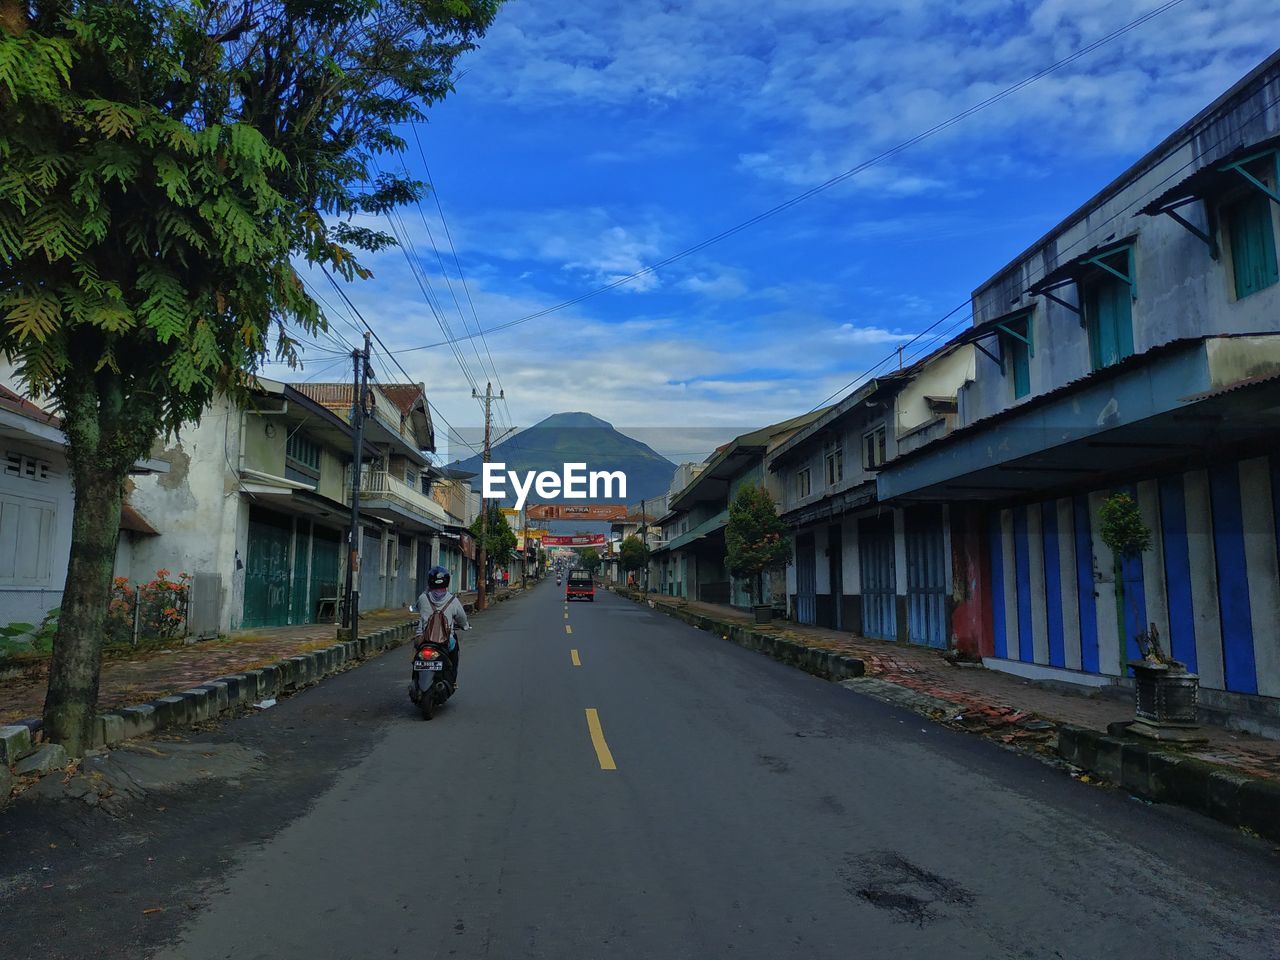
x=437, y=630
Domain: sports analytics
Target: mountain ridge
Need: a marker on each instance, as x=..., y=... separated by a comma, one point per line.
x=580, y=437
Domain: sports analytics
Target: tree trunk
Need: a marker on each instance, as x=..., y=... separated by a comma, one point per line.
x=102, y=444
x=13, y=16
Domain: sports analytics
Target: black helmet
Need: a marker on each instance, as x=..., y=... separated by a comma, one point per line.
x=437, y=578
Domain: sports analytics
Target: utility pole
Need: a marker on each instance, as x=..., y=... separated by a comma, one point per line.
x=359, y=389
x=644, y=540
x=483, y=586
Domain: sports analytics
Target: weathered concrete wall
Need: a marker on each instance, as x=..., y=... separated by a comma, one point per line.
x=809, y=454
x=332, y=475
x=263, y=452
x=940, y=377
x=1181, y=291
x=196, y=506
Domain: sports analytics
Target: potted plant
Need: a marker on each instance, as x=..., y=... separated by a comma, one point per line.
x=1165, y=692
x=756, y=541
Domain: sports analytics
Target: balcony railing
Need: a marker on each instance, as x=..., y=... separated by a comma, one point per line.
x=381, y=485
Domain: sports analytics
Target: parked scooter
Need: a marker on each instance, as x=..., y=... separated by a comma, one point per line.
x=434, y=677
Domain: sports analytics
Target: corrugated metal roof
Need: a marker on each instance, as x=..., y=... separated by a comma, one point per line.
x=404, y=396
x=1242, y=384
x=19, y=404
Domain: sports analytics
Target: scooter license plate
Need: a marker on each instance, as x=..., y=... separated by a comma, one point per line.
x=428, y=665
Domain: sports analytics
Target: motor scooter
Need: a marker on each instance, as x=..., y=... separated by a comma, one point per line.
x=435, y=679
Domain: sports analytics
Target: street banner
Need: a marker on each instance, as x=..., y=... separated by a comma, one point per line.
x=583, y=540
x=586, y=511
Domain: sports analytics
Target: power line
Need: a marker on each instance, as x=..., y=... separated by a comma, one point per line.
x=405, y=242
x=1083, y=238
x=378, y=339
x=886, y=154
x=435, y=193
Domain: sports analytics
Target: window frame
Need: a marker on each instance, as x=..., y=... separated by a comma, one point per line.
x=804, y=483
x=1018, y=344
x=1264, y=177
x=297, y=439
x=875, y=454
x=833, y=460
x=1122, y=289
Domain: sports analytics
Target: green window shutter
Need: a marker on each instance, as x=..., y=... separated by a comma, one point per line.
x=1110, y=319
x=1253, y=244
x=1018, y=350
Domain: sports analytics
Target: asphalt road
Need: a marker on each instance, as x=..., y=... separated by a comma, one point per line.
x=615, y=784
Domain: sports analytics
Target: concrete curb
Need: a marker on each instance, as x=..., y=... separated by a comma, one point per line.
x=225, y=695
x=1145, y=770
x=220, y=697
x=820, y=663
x=1166, y=776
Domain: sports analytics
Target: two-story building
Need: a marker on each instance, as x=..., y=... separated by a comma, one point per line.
x=1134, y=348
x=455, y=546
x=878, y=569
x=394, y=488
x=690, y=561
x=256, y=505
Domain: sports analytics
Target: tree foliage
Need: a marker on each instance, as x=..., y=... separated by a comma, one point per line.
x=498, y=538
x=1122, y=527
x=755, y=537
x=165, y=165
x=589, y=560
x=633, y=554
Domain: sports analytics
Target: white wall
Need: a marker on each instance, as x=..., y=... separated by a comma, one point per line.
x=197, y=508
x=35, y=531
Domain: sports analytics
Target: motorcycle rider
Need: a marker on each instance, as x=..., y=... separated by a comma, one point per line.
x=437, y=597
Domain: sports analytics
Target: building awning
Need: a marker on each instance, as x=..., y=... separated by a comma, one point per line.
x=832, y=507
x=1173, y=404
x=706, y=529
x=1104, y=257
x=135, y=522
x=1212, y=180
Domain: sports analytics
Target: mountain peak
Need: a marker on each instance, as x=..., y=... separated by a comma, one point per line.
x=575, y=418
x=578, y=437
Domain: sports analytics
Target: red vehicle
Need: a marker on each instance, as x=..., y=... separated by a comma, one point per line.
x=580, y=587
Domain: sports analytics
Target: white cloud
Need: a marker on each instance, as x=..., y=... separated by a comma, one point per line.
x=724, y=285
x=849, y=333
x=823, y=84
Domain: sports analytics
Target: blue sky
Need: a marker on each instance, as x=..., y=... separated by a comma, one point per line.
x=587, y=140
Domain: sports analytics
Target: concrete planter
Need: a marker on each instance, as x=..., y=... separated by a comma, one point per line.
x=1165, y=697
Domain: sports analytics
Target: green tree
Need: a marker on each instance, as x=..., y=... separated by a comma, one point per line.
x=755, y=537
x=633, y=554
x=165, y=166
x=589, y=560
x=499, y=539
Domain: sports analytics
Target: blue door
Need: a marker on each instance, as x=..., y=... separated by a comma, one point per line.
x=878, y=578
x=926, y=577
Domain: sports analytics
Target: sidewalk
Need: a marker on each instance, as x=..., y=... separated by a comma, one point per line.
x=989, y=702
x=159, y=672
